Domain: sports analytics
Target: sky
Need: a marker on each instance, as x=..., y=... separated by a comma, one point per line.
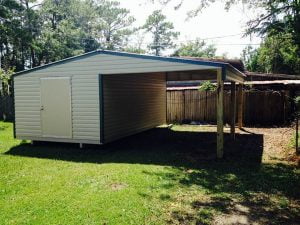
x=212, y=22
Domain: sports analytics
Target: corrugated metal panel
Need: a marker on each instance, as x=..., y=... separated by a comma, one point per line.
x=124, y=69
x=133, y=103
x=85, y=101
x=112, y=64
x=27, y=107
x=85, y=105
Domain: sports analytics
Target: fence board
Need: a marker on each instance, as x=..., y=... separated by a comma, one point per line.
x=260, y=107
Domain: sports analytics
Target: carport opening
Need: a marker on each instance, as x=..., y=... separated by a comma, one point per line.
x=128, y=113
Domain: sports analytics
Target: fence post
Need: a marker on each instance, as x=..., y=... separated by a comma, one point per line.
x=232, y=110
x=220, y=114
x=240, y=106
x=184, y=105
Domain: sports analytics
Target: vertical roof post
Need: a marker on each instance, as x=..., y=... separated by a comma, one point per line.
x=232, y=109
x=221, y=73
x=240, y=105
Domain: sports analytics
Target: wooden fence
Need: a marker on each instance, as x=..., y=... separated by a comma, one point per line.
x=260, y=107
x=6, y=107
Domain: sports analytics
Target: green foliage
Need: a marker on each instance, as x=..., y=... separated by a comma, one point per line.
x=38, y=32
x=114, y=23
x=196, y=48
x=137, y=50
x=5, y=77
x=278, y=23
x=292, y=143
x=297, y=100
x=278, y=17
x=207, y=86
x=277, y=54
x=161, y=31
x=250, y=58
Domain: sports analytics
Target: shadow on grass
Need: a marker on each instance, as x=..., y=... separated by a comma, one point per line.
x=239, y=185
x=243, y=193
x=160, y=146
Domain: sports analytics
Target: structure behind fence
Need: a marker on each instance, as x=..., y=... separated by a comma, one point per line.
x=260, y=107
x=6, y=107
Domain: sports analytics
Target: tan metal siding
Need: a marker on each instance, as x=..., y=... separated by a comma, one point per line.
x=27, y=107
x=133, y=103
x=85, y=105
x=110, y=64
x=85, y=102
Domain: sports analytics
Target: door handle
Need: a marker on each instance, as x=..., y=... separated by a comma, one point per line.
x=42, y=108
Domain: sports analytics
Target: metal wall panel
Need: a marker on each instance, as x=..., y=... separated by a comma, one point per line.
x=133, y=103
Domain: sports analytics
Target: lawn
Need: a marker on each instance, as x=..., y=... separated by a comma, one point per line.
x=162, y=176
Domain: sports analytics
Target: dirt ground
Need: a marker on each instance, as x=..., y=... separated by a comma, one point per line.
x=276, y=143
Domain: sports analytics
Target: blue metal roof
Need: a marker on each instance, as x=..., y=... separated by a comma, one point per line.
x=125, y=54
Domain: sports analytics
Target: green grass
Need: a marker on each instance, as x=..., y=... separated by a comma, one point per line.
x=157, y=177
x=292, y=143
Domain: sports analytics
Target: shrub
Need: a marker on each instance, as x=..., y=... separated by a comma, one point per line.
x=5, y=77
x=207, y=86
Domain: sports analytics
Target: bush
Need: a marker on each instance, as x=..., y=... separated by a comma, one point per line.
x=297, y=100
x=5, y=77
x=207, y=86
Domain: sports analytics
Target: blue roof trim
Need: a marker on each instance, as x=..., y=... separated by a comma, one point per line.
x=167, y=59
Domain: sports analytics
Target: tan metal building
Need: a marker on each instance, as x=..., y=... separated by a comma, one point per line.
x=103, y=96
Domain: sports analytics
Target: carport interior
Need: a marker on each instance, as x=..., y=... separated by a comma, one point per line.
x=146, y=106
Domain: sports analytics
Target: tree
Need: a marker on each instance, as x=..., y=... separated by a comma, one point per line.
x=161, y=31
x=65, y=29
x=133, y=49
x=11, y=51
x=196, y=48
x=277, y=17
x=137, y=42
x=277, y=54
x=38, y=32
x=279, y=24
x=114, y=23
x=5, y=77
x=250, y=58
x=201, y=4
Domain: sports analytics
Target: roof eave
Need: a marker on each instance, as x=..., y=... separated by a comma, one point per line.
x=235, y=75
x=126, y=54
